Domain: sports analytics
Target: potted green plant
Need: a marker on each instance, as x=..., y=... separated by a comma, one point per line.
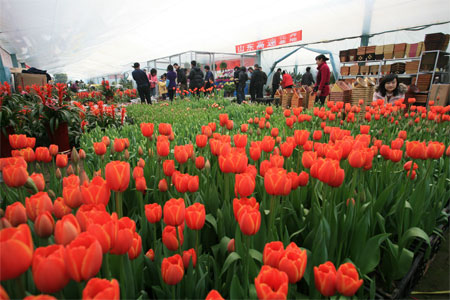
x=223, y=66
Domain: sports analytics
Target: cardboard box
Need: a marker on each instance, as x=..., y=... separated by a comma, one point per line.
x=441, y=91
x=24, y=79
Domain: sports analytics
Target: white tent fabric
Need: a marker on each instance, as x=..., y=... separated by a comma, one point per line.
x=88, y=38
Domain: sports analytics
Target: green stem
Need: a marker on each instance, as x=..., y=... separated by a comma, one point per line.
x=20, y=286
x=272, y=217
x=179, y=241
x=154, y=237
x=173, y=292
x=105, y=266
x=119, y=204
x=196, y=243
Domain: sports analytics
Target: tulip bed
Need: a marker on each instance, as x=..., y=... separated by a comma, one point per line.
x=207, y=199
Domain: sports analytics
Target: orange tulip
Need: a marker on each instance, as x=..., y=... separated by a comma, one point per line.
x=96, y=192
x=39, y=181
x=435, y=150
x=44, y=224
x=72, y=196
x=117, y=175
x=28, y=154
x=37, y=204
x=14, y=176
x=18, y=141
x=97, y=288
x=43, y=154
x=3, y=294
x=249, y=220
x=181, y=154
x=53, y=149
x=325, y=279
x=293, y=263
x=16, y=214
x=188, y=256
x=147, y=129
x=16, y=251
x=84, y=257
x=60, y=208
x=119, y=145
x=244, y=184
x=100, y=148
x=49, y=262
x=277, y=182
x=347, y=280
x=124, y=237
x=66, y=229
x=61, y=160
x=201, y=140
x=271, y=283
x=195, y=216
x=174, y=212
x=31, y=142
x=272, y=253
x=170, y=238
x=416, y=150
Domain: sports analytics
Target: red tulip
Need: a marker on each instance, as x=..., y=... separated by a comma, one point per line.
x=53, y=149
x=272, y=253
x=317, y=135
x=147, y=129
x=16, y=214
x=100, y=148
x=395, y=155
x=96, y=192
x=60, y=208
x=435, y=150
x=255, y=152
x=31, y=141
x=308, y=158
x=193, y=183
x=28, y=154
x=170, y=239
x=181, y=155
x=153, y=212
x=174, y=211
x=97, y=289
x=416, y=150
x=267, y=144
x=61, y=160
x=124, y=238
x=162, y=185
x=66, y=229
x=136, y=247
x=277, y=182
x=43, y=154
x=72, y=196
x=86, y=212
x=195, y=216
x=249, y=220
x=172, y=269
x=397, y=144
x=286, y=149
x=141, y=184
x=18, y=141
x=357, y=158
x=37, y=204
x=162, y=146
x=239, y=204
x=271, y=283
x=165, y=129
x=240, y=140
x=201, y=140
x=200, y=162
x=168, y=167
x=150, y=254
x=40, y=297
x=84, y=257
x=44, y=224
x=16, y=251
x=119, y=145
x=364, y=129
x=301, y=136
x=117, y=175
x=101, y=225
x=347, y=279
x=303, y=178
x=14, y=176
x=293, y=262
x=49, y=262
x=231, y=247
x=214, y=295
x=38, y=180
x=244, y=184
x=188, y=256
x=325, y=279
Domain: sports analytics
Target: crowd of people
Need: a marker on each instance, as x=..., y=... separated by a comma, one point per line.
x=176, y=79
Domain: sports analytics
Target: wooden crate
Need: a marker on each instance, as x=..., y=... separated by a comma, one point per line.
x=343, y=55
x=411, y=66
x=297, y=99
x=345, y=71
x=388, y=51
x=374, y=69
x=370, y=52
x=352, y=54
x=361, y=53
x=379, y=54
x=354, y=70
x=286, y=98
x=385, y=69
x=364, y=70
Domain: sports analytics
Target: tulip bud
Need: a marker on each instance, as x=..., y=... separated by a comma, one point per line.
x=69, y=170
x=140, y=151
x=112, y=150
x=31, y=185
x=231, y=246
x=150, y=254
x=250, y=131
x=44, y=224
x=207, y=165
x=162, y=185
x=58, y=173
x=74, y=157
x=4, y=223
x=150, y=152
x=127, y=154
x=2, y=213
x=51, y=194
x=84, y=178
x=258, y=131
x=82, y=154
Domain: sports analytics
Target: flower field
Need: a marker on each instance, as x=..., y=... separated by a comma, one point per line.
x=204, y=198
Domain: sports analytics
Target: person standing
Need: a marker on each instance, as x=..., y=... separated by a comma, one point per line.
x=153, y=82
x=322, y=86
x=236, y=79
x=143, y=85
x=171, y=76
x=162, y=87
x=256, y=84
x=208, y=76
x=286, y=82
x=74, y=87
x=195, y=78
x=264, y=82
x=181, y=79
x=243, y=77
x=307, y=78
x=276, y=81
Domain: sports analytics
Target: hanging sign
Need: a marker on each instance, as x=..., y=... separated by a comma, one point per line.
x=270, y=42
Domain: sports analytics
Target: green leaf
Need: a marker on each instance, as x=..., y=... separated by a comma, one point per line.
x=369, y=256
x=236, y=291
x=211, y=220
x=256, y=255
x=232, y=257
x=411, y=233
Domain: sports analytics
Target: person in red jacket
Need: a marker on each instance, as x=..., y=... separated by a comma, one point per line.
x=286, y=82
x=322, y=86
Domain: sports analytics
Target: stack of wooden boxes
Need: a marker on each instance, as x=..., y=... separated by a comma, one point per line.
x=423, y=82
x=341, y=91
x=364, y=70
x=436, y=41
x=370, y=52
x=345, y=70
x=361, y=53
x=286, y=97
x=374, y=69
x=297, y=99
x=385, y=69
x=343, y=55
x=354, y=70
x=398, y=68
x=363, y=89
x=352, y=54
x=379, y=52
x=307, y=95
x=414, y=50
x=411, y=67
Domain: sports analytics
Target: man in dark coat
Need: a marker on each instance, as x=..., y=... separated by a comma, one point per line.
x=307, y=78
x=257, y=84
x=243, y=77
x=276, y=82
x=236, y=79
x=143, y=85
x=181, y=79
x=195, y=78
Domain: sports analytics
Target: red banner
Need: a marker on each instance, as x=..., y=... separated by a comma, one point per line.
x=270, y=42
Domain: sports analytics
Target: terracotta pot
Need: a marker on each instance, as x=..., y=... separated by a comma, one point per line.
x=4, y=141
x=60, y=136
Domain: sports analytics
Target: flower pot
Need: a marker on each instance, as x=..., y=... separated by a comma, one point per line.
x=60, y=136
x=4, y=141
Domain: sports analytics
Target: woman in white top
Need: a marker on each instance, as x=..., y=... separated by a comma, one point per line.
x=389, y=89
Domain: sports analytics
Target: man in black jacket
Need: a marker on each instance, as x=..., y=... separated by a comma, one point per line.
x=243, y=77
x=276, y=82
x=307, y=78
x=181, y=79
x=257, y=83
x=195, y=78
x=236, y=79
x=143, y=85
